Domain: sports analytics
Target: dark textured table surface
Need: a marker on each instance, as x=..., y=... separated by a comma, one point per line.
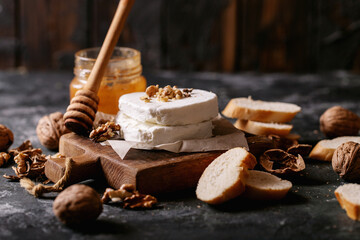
x=309, y=211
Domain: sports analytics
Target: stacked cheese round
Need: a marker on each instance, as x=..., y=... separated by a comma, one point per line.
x=158, y=122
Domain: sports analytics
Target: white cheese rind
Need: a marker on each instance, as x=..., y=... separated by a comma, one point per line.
x=154, y=134
x=201, y=106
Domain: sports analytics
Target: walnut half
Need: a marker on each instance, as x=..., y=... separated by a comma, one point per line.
x=129, y=197
x=30, y=162
x=4, y=158
x=104, y=132
x=6, y=138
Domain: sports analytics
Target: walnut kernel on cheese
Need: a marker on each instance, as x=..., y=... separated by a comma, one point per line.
x=165, y=94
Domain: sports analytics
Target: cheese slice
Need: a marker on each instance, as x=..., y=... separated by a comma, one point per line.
x=199, y=107
x=154, y=134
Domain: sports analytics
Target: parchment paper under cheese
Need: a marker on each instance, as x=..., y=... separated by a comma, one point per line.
x=225, y=137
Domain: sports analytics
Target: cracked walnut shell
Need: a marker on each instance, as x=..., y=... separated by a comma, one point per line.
x=6, y=138
x=280, y=162
x=338, y=121
x=49, y=130
x=258, y=144
x=302, y=149
x=346, y=161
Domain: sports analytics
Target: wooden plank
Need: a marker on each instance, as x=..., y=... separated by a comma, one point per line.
x=273, y=35
x=292, y=36
x=229, y=36
x=273, y=25
x=7, y=34
x=142, y=29
x=249, y=20
x=101, y=14
x=190, y=34
x=51, y=32
x=150, y=171
x=338, y=34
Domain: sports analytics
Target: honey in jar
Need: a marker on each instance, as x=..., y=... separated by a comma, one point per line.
x=123, y=75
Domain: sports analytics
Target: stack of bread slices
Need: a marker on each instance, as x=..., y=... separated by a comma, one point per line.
x=230, y=176
x=260, y=117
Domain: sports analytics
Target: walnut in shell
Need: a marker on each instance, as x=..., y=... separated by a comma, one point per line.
x=49, y=130
x=346, y=161
x=77, y=204
x=338, y=121
x=6, y=138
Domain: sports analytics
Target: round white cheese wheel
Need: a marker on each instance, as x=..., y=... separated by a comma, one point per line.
x=154, y=134
x=200, y=106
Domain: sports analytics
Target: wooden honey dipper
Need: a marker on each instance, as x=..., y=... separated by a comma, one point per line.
x=80, y=114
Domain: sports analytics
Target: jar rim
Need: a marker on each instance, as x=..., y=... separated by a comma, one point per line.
x=133, y=53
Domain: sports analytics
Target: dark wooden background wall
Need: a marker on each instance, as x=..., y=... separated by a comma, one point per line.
x=201, y=35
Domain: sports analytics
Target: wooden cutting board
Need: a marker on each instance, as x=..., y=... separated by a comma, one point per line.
x=150, y=171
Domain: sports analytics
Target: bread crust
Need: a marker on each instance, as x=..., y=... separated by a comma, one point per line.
x=259, y=194
x=235, y=189
x=321, y=153
x=352, y=210
x=255, y=192
x=232, y=110
x=232, y=192
x=256, y=128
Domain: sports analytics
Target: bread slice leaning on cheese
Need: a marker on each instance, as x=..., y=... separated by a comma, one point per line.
x=348, y=196
x=260, y=128
x=225, y=177
x=265, y=186
x=324, y=149
x=256, y=110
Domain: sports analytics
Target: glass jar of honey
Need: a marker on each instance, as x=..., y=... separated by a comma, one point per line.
x=123, y=75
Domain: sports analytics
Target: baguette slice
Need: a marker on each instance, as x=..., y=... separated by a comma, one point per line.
x=348, y=196
x=325, y=149
x=260, y=128
x=256, y=110
x=265, y=186
x=225, y=177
